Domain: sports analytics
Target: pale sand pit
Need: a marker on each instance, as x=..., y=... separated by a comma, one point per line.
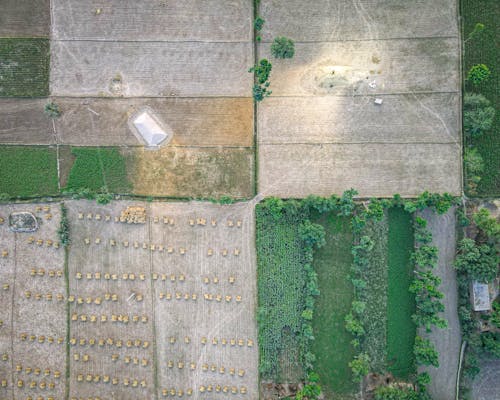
x=327, y=20
x=190, y=69
x=377, y=170
x=427, y=118
x=34, y=331
x=195, y=122
x=153, y=20
x=170, y=247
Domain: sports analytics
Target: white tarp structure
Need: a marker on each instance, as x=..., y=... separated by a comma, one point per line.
x=480, y=296
x=148, y=129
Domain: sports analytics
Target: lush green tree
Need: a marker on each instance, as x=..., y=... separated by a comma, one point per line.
x=312, y=234
x=495, y=314
x=354, y=325
x=478, y=114
x=487, y=224
x=491, y=342
x=480, y=262
x=262, y=70
x=425, y=353
x=283, y=47
x=258, y=23
x=478, y=73
x=260, y=92
x=360, y=366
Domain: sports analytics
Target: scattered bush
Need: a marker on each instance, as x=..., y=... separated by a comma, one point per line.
x=478, y=114
x=474, y=166
x=312, y=234
x=488, y=225
x=52, y=110
x=478, y=73
x=260, y=92
x=103, y=198
x=395, y=393
x=491, y=343
x=360, y=366
x=258, y=24
x=63, y=230
x=282, y=47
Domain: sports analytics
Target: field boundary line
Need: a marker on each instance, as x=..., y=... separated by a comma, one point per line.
x=368, y=39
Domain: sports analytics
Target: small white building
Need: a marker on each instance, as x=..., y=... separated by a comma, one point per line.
x=149, y=129
x=481, y=296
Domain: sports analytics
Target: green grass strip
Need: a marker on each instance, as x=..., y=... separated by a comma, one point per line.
x=400, y=302
x=332, y=346
x=28, y=171
x=281, y=280
x=97, y=168
x=484, y=50
x=24, y=67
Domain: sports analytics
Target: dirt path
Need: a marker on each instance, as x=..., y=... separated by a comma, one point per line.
x=447, y=341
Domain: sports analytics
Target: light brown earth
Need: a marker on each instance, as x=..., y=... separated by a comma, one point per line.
x=25, y=18
x=192, y=171
x=447, y=341
x=153, y=20
x=169, y=260
x=41, y=318
x=320, y=131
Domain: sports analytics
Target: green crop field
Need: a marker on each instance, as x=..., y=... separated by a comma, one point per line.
x=400, y=302
x=281, y=280
x=24, y=67
x=98, y=168
x=332, y=346
x=484, y=50
x=375, y=316
x=28, y=171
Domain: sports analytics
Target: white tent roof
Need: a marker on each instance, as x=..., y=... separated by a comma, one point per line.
x=149, y=129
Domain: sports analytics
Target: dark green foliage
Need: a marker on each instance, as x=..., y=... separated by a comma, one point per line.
x=480, y=262
x=24, y=67
x=491, y=343
x=311, y=389
x=400, y=302
x=258, y=24
x=260, y=92
x=262, y=71
x=103, y=198
x=98, y=169
x=471, y=365
x=478, y=73
x=478, y=114
x=425, y=353
x=283, y=47
x=63, y=230
x=495, y=314
x=474, y=167
x=360, y=366
x=312, y=234
x=52, y=110
x=395, y=393
x=484, y=50
x=28, y=170
x=489, y=226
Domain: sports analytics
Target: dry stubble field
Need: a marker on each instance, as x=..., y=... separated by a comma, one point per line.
x=156, y=309
x=320, y=131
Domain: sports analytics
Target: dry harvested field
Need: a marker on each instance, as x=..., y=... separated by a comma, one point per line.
x=110, y=60
x=141, y=309
x=320, y=131
x=25, y=18
x=33, y=307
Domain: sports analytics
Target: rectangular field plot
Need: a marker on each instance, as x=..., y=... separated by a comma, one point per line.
x=25, y=18
x=153, y=20
x=374, y=169
x=168, y=305
x=24, y=70
x=194, y=122
x=22, y=121
x=192, y=172
x=348, y=68
x=324, y=20
x=429, y=118
x=130, y=69
x=33, y=304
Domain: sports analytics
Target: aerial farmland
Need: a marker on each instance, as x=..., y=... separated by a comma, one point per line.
x=236, y=199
